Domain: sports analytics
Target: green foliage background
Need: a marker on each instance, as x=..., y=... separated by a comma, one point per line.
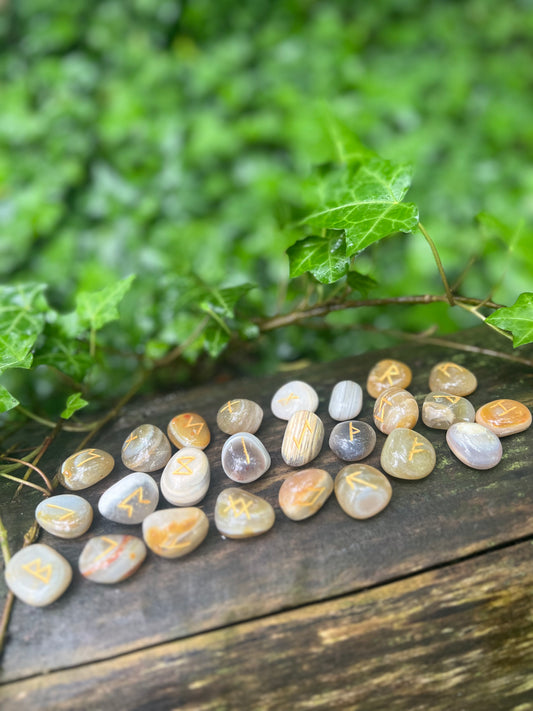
x=177, y=141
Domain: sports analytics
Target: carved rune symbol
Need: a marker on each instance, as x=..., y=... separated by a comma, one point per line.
x=92, y=455
x=380, y=414
x=70, y=512
x=313, y=499
x=137, y=494
x=198, y=426
x=451, y=398
x=353, y=430
x=129, y=441
x=245, y=450
x=184, y=468
x=354, y=476
x=446, y=366
x=235, y=503
x=503, y=409
x=229, y=404
x=171, y=542
x=416, y=449
x=286, y=400
x=306, y=426
x=391, y=370
x=39, y=571
x=112, y=544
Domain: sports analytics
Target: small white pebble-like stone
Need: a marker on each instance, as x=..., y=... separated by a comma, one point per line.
x=292, y=397
x=38, y=575
x=346, y=400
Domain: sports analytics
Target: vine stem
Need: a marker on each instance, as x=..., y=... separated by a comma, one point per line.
x=31, y=466
x=49, y=423
x=24, y=482
x=436, y=256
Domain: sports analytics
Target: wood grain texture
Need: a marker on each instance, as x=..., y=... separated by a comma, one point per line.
x=452, y=513
x=454, y=639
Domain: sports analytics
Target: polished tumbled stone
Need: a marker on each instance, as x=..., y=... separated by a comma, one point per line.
x=239, y=514
x=475, y=445
x=504, y=417
x=346, y=401
x=303, y=493
x=173, y=533
x=185, y=479
x=407, y=455
x=85, y=468
x=441, y=410
x=386, y=374
x=130, y=500
x=292, y=397
x=352, y=441
x=189, y=430
x=38, y=575
x=303, y=438
x=146, y=449
x=111, y=558
x=452, y=378
x=362, y=491
x=244, y=457
x=239, y=416
x=65, y=515
x=395, y=408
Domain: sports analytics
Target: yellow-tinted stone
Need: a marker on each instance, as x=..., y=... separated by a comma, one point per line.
x=303, y=493
x=239, y=415
x=146, y=449
x=452, y=378
x=395, y=408
x=302, y=439
x=504, y=417
x=441, y=410
x=85, y=468
x=386, y=374
x=239, y=514
x=362, y=491
x=407, y=455
x=173, y=533
x=189, y=430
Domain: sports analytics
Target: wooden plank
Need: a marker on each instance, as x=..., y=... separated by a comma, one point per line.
x=460, y=637
x=453, y=513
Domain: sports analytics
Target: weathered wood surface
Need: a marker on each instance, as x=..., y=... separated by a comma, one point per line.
x=453, y=513
x=454, y=639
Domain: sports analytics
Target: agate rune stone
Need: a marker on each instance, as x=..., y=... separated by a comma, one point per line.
x=130, y=500
x=475, y=445
x=292, y=397
x=346, y=401
x=173, y=533
x=407, y=455
x=239, y=514
x=189, y=430
x=395, y=408
x=85, y=468
x=244, y=457
x=239, y=416
x=65, y=515
x=441, y=410
x=504, y=417
x=352, y=441
x=146, y=449
x=386, y=374
x=38, y=575
x=302, y=439
x=362, y=491
x=185, y=479
x=452, y=378
x=111, y=558
x=303, y=493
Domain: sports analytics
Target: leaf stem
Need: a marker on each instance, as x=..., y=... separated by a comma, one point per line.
x=48, y=423
x=23, y=482
x=32, y=466
x=436, y=256
x=474, y=310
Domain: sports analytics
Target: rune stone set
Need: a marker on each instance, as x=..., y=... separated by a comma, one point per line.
x=39, y=575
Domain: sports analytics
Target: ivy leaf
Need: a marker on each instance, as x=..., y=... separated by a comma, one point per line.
x=22, y=318
x=7, y=401
x=361, y=283
x=518, y=319
x=324, y=257
x=346, y=147
x=223, y=301
x=366, y=201
x=96, y=308
x=64, y=355
x=215, y=340
x=74, y=403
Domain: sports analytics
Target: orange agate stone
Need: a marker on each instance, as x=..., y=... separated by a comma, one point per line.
x=387, y=374
x=504, y=417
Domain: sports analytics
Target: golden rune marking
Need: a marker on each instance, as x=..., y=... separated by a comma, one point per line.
x=307, y=426
x=444, y=368
x=112, y=544
x=92, y=455
x=39, y=571
x=353, y=430
x=354, y=476
x=451, y=398
x=380, y=414
x=504, y=410
x=391, y=370
x=70, y=513
x=286, y=400
x=416, y=448
x=195, y=424
x=171, y=542
x=138, y=494
x=129, y=441
x=229, y=404
x=245, y=451
x=184, y=468
x=314, y=499
x=233, y=506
